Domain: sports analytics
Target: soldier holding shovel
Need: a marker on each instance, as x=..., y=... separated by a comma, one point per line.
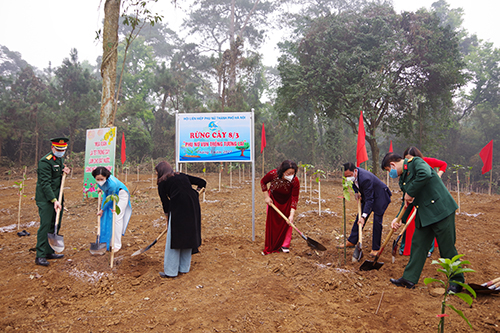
x=435, y=216
x=50, y=170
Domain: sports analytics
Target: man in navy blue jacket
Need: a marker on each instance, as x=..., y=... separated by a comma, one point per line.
x=375, y=197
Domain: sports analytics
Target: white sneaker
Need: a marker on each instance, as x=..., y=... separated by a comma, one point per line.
x=285, y=249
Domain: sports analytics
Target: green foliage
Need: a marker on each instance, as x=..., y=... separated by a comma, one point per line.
x=20, y=184
x=450, y=268
x=319, y=173
x=346, y=186
x=377, y=61
x=116, y=199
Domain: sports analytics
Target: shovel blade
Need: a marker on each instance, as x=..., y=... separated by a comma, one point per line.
x=479, y=289
x=369, y=265
x=56, y=242
x=357, y=254
x=97, y=249
x=315, y=245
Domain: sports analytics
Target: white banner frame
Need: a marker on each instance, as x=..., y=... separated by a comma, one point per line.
x=210, y=123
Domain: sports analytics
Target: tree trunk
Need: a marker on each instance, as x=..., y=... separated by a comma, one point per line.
x=375, y=152
x=109, y=60
x=233, y=52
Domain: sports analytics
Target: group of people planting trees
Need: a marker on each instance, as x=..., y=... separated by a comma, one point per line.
x=423, y=191
x=180, y=205
x=422, y=188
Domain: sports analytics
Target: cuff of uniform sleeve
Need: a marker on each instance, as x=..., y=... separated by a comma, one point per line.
x=53, y=200
x=364, y=215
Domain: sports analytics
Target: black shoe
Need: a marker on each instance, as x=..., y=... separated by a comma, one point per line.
x=41, y=261
x=23, y=233
x=163, y=275
x=455, y=288
x=403, y=283
x=54, y=256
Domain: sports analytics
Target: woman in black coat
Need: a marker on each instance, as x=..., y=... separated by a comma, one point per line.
x=182, y=209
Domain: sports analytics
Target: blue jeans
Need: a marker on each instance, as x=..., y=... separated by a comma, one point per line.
x=176, y=260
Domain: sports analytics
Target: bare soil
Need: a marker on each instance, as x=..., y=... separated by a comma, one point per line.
x=231, y=287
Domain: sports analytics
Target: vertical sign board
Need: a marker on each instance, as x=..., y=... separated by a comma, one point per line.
x=100, y=147
x=216, y=137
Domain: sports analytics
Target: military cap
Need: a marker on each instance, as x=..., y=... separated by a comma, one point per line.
x=60, y=143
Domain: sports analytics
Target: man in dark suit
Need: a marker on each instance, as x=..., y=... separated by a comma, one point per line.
x=375, y=196
x=423, y=189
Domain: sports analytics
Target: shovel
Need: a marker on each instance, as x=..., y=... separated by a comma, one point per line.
x=98, y=248
x=311, y=242
x=490, y=287
x=368, y=265
x=150, y=245
x=358, y=252
x=112, y=245
x=56, y=241
x=395, y=243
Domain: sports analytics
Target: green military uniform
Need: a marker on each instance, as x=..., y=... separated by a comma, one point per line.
x=435, y=215
x=47, y=192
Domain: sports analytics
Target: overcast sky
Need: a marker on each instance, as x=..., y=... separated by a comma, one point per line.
x=46, y=30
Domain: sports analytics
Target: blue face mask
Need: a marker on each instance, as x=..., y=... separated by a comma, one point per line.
x=59, y=154
x=393, y=173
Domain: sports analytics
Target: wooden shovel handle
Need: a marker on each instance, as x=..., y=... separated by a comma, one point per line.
x=408, y=222
x=58, y=212
x=360, y=227
x=388, y=238
x=112, y=245
x=286, y=219
x=98, y=216
x=492, y=282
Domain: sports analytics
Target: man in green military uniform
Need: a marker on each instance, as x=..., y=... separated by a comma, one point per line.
x=435, y=217
x=50, y=170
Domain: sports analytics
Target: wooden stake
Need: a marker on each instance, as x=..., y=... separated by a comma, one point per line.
x=112, y=245
x=380, y=302
x=319, y=195
x=458, y=192
x=21, y=191
x=220, y=175
x=305, y=179
x=137, y=173
x=310, y=188
x=491, y=180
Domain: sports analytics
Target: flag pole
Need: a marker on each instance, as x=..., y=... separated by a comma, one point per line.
x=491, y=172
x=263, y=161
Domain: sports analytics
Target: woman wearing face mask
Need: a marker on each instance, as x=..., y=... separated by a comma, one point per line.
x=283, y=192
x=109, y=184
x=408, y=234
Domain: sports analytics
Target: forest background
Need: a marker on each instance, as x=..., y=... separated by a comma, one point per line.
x=419, y=77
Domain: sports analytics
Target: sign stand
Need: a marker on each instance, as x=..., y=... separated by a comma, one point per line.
x=216, y=137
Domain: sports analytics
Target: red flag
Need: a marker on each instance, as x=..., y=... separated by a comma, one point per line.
x=390, y=148
x=486, y=155
x=361, y=155
x=263, y=141
x=124, y=146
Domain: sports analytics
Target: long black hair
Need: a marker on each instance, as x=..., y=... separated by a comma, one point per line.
x=285, y=165
x=413, y=151
x=101, y=171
